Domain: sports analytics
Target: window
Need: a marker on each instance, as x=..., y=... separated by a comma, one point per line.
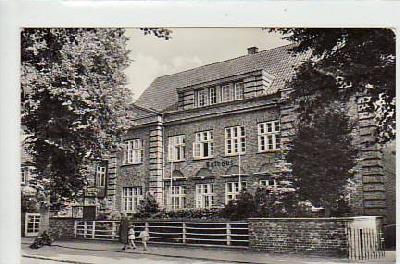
x=204, y=195
x=239, y=91
x=235, y=140
x=270, y=182
x=176, y=148
x=134, y=152
x=269, y=136
x=202, y=98
x=227, y=93
x=131, y=196
x=24, y=175
x=213, y=95
x=100, y=176
x=177, y=197
x=203, y=147
x=232, y=190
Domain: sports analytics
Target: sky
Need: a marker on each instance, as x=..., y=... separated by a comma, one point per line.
x=189, y=48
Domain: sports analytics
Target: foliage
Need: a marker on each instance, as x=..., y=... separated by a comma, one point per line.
x=158, y=32
x=243, y=207
x=148, y=206
x=29, y=204
x=74, y=101
x=344, y=62
x=323, y=158
x=196, y=213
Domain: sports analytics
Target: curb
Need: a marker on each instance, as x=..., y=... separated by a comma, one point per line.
x=55, y=259
x=137, y=253
x=195, y=258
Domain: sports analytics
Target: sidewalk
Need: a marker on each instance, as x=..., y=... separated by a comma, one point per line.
x=113, y=249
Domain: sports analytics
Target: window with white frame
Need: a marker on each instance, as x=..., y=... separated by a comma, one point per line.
x=202, y=97
x=177, y=199
x=227, y=92
x=131, y=197
x=203, y=146
x=235, y=140
x=204, y=195
x=269, y=182
x=239, y=89
x=232, y=190
x=269, y=136
x=134, y=151
x=176, y=148
x=213, y=95
x=100, y=176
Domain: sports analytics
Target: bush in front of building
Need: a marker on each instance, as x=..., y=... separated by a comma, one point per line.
x=268, y=202
x=148, y=207
x=241, y=208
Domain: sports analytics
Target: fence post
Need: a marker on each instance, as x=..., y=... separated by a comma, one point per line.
x=93, y=228
x=183, y=232
x=113, y=230
x=228, y=234
x=84, y=229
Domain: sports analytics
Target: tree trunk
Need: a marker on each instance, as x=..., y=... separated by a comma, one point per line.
x=44, y=211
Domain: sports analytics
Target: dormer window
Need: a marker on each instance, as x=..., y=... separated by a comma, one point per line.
x=227, y=93
x=218, y=94
x=239, y=89
x=202, y=98
x=213, y=95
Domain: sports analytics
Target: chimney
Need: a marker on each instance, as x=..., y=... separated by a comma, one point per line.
x=252, y=50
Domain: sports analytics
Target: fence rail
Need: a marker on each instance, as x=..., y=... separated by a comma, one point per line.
x=220, y=234
x=105, y=230
x=365, y=243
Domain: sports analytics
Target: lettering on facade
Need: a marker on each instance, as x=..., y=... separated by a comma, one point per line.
x=218, y=164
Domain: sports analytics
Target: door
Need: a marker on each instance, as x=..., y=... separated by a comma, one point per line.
x=32, y=221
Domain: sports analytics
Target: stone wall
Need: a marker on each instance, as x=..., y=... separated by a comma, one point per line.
x=62, y=228
x=315, y=236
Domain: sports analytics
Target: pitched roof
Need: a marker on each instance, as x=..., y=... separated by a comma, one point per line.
x=278, y=61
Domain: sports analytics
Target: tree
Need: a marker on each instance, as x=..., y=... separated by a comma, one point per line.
x=323, y=158
x=344, y=62
x=148, y=206
x=75, y=105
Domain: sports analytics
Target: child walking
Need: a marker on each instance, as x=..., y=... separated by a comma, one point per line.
x=131, y=237
x=145, y=236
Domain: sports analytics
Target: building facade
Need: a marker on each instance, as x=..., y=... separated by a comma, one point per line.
x=202, y=135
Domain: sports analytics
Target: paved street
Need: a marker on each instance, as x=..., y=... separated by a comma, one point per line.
x=96, y=252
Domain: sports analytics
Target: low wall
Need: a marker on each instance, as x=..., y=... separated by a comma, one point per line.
x=316, y=236
x=62, y=228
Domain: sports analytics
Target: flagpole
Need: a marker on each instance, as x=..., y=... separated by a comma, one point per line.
x=170, y=190
x=240, y=182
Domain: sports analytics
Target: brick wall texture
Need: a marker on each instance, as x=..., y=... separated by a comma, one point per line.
x=62, y=228
x=303, y=236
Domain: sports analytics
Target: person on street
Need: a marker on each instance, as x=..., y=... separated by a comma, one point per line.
x=145, y=236
x=123, y=232
x=131, y=237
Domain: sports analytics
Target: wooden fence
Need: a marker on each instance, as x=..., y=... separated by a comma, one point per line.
x=365, y=243
x=103, y=230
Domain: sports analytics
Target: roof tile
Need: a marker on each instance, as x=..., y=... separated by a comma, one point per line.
x=278, y=61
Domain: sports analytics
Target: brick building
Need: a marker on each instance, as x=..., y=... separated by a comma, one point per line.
x=196, y=128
